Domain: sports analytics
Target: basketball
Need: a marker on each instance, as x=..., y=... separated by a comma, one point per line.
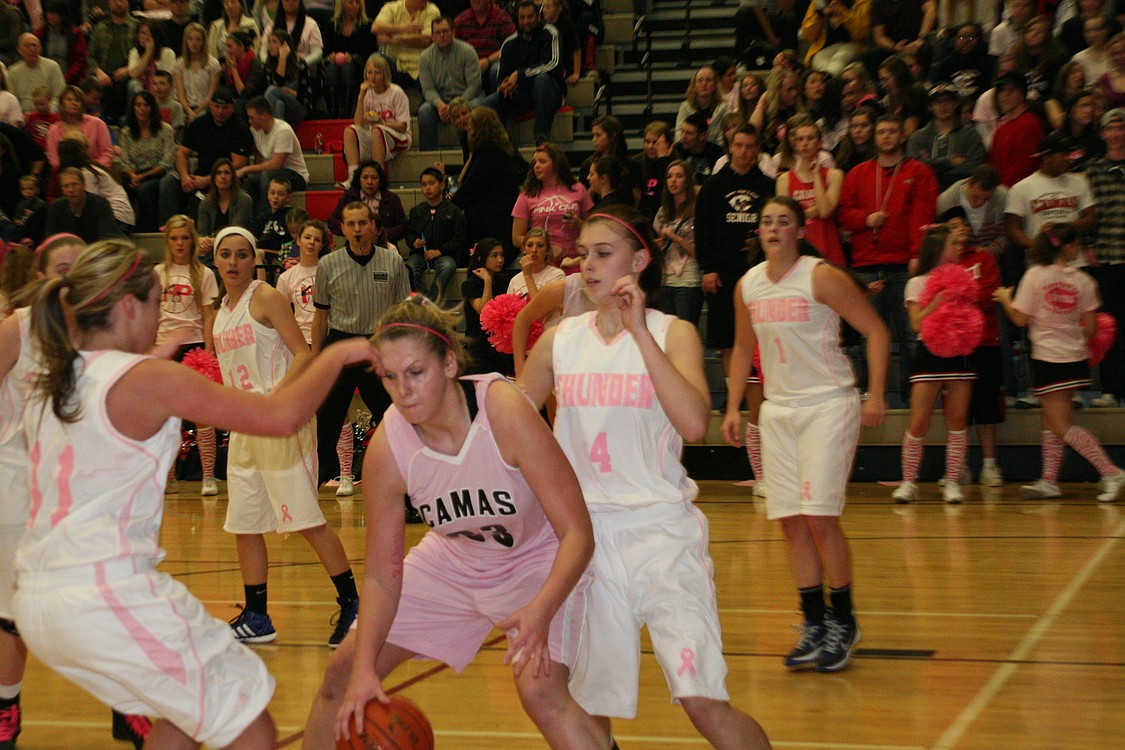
x=399, y=725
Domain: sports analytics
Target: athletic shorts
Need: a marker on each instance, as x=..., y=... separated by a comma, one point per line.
x=451, y=601
x=651, y=568
x=272, y=483
x=394, y=143
x=807, y=454
x=1050, y=377
x=142, y=644
x=987, y=404
x=929, y=367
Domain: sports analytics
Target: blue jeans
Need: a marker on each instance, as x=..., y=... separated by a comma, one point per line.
x=257, y=186
x=285, y=106
x=543, y=95
x=443, y=266
x=889, y=304
x=685, y=302
x=428, y=120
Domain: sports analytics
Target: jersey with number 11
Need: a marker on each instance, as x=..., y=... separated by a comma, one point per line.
x=609, y=421
x=252, y=356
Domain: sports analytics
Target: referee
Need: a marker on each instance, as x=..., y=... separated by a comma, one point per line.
x=354, y=287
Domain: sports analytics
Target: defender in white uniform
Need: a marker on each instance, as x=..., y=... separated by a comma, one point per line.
x=630, y=388
x=791, y=306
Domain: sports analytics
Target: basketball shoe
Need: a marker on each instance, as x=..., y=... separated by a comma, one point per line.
x=252, y=627
x=1041, y=490
x=10, y=724
x=907, y=492
x=131, y=728
x=807, y=651
x=349, y=608
x=840, y=638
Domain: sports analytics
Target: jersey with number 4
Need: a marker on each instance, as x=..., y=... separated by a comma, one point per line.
x=609, y=421
x=798, y=337
x=252, y=356
x=477, y=501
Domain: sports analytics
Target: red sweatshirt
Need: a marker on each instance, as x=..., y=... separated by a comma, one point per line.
x=984, y=269
x=908, y=196
x=1015, y=148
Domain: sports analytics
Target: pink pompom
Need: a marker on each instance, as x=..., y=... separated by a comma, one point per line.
x=1103, y=338
x=341, y=58
x=203, y=362
x=955, y=283
x=953, y=330
x=498, y=317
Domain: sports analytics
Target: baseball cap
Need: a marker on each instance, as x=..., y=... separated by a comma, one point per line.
x=1013, y=78
x=1056, y=143
x=223, y=95
x=1114, y=114
x=944, y=89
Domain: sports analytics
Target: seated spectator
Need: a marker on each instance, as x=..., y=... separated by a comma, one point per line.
x=486, y=279
x=781, y=101
x=262, y=11
x=29, y=216
x=233, y=18
x=1094, y=59
x=951, y=148
x=836, y=32
x=556, y=14
x=485, y=26
x=277, y=153
x=899, y=26
x=1015, y=143
x=650, y=165
x=347, y=45
x=10, y=110
x=531, y=73
x=969, y=66
x=535, y=270
x=148, y=55
x=34, y=71
x=32, y=158
x=169, y=108
x=243, y=71
x=148, y=152
x=726, y=78
x=750, y=91
x=196, y=73
x=369, y=186
x=446, y=69
x=62, y=41
x=173, y=28
x=489, y=183
x=695, y=150
x=403, y=29
x=108, y=58
x=553, y=200
x=1112, y=82
x=1080, y=123
x=11, y=24
x=902, y=96
x=226, y=205
x=1005, y=34
x=435, y=236
x=283, y=78
x=73, y=152
x=80, y=212
x=1039, y=56
x=984, y=201
x=41, y=117
x=1070, y=80
x=703, y=98
x=609, y=185
x=307, y=40
x=271, y=226
x=73, y=121
x=381, y=120
x=459, y=111
x=608, y=139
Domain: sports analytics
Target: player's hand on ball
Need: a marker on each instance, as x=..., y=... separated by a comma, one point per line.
x=363, y=687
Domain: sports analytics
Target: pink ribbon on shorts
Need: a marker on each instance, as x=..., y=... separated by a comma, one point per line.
x=285, y=517
x=806, y=490
x=687, y=663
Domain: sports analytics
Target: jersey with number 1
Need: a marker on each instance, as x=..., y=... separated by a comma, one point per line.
x=609, y=421
x=252, y=356
x=798, y=337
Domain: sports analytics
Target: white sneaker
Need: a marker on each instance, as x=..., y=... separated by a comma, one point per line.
x=965, y=478
x=907, y=492
x=1041, y=490
x=1111, y=487
x=1104, y=401
x=346, y=488
x=759, y=489
x=209, y=487
x=172, y=488
x=990, y=476
x=952, y=493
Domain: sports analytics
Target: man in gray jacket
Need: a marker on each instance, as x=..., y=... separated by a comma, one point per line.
x=951, y=149
x=448, y=68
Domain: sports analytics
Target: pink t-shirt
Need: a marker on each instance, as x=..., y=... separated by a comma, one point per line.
x=1055, y=298
x=547, y=211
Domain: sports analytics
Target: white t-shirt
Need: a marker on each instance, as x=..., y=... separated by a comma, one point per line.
x=178, y=308
x=297, y=284
x=197, y=81
x=1039, y=199
x=518, y=284
x=1055, y=298
x=10, y=110
x=281, y=139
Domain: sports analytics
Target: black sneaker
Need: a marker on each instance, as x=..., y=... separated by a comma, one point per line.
x=349, y=608
x=252, y=627
x=131, y=728
x=9, y=725
x=839, y=640
x=807, y=650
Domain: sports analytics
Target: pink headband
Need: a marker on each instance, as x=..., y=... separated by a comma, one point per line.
x=427, y=329
x=627, y=225
x=114, y=285
x=54, y=238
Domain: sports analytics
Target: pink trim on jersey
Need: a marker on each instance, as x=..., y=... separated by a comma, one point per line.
x=167, y=660
x=66, y=499
x=593, y=324
x=34, y=456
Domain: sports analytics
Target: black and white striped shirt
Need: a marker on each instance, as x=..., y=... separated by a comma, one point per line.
x=357, y=289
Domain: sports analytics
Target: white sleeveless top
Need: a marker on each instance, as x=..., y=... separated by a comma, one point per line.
x=252, y=356
x=15, y=389
x=609, y=421
x=798, y=337
x=97, y=496
x=480, y=504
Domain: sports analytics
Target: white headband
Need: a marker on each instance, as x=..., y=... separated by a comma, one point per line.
x=244, y=233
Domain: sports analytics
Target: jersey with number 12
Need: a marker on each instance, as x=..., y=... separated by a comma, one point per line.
x=610, y=422
x=252, y=356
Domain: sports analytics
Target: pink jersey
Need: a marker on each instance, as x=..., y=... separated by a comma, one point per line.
x=480, y=506
x=297, y=285
x=97, y=496
x=252, y=356
x=609, y=421
x=798, y=337
x=1055, y=298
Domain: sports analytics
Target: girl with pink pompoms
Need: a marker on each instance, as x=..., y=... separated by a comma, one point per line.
x=941, y=302
x=1058, y=303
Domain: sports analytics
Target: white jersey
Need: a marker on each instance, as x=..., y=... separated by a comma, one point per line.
x=609, y=421
x=252, y=356
x=97, y=496
x=15, y=390
x=297, y=285
x=798, y=337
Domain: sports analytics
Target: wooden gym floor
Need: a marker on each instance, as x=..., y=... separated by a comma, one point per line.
x=997, y=625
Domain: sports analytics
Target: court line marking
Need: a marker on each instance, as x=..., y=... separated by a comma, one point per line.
x=1000, y=677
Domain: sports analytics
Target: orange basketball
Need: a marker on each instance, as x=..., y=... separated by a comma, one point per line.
x=399, y=725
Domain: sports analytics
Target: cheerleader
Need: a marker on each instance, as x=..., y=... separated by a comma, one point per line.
x=109, y=416
x=187, y=312
x=1057, y=303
